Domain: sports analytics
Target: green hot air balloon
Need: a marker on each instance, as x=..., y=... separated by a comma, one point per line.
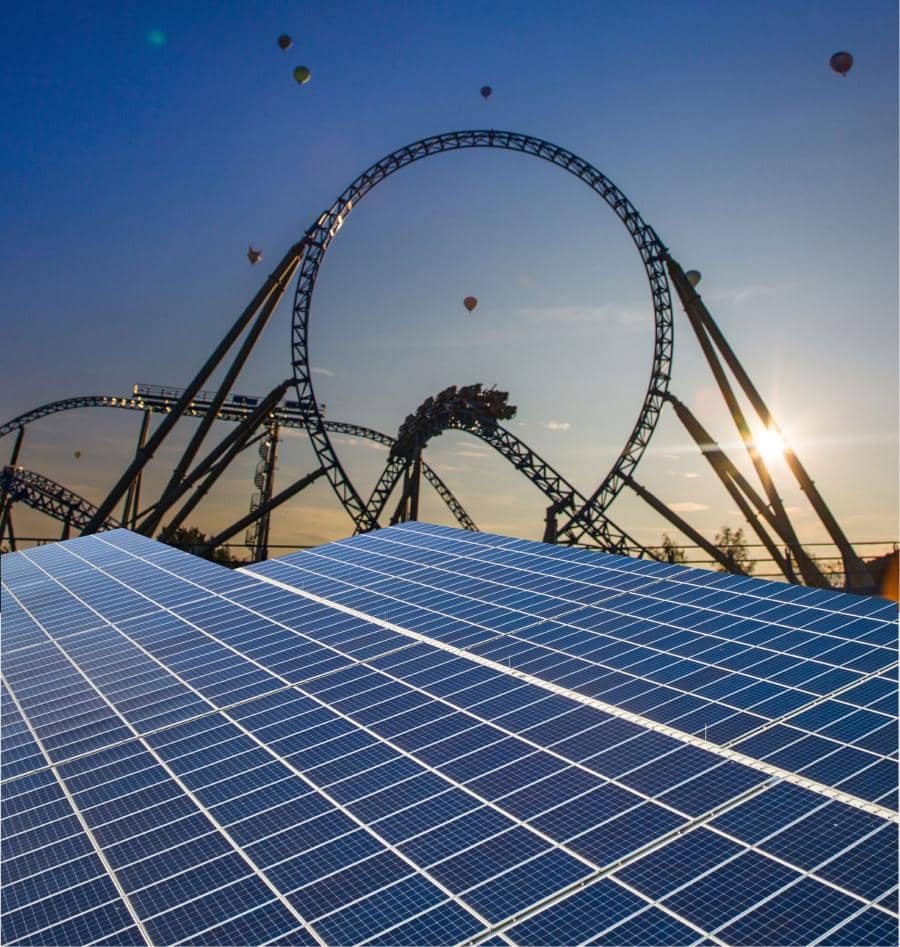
x=302, y=75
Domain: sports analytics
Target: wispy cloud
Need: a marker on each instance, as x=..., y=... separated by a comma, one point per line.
x=622, y=316
x=737, y=295
x=346, y=441
x=316, y=370
x=557, y=425
x=690, y=476
x=471, y=453
x=688, y=507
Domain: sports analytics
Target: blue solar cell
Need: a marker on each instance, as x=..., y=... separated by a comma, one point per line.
x=871, y=928
x=645, y=637
x=579, y=917
x=727, y=892
x=677, y=863
x=651, y=926
x=795, y=916
x=526, y=884
x=869, y=868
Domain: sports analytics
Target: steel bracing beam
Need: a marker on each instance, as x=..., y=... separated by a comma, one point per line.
x=287, y=265
x=212, y=466
x=263, y=510
x=698, y=538
x=739, y=489
x=285, y=273
x=709, y=334
x=159, y=400
x=47, y=496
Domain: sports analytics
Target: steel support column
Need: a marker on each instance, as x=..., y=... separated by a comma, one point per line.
x=288, y=263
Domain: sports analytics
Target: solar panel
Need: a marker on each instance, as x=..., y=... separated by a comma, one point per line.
x=423, y=735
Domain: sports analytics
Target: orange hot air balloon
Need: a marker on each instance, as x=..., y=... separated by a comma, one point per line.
x=486, y=91
x=284, y=41
x=470, y=302
x=254, y=256
x=841, y=63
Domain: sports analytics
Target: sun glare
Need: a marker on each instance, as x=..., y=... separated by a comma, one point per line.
x=770, y=444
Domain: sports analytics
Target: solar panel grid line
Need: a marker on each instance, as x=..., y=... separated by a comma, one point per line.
x=691, y=739
x=85, y=827
x=709, y=936
x=210, y=713
x=255, y=869
x=799, y=710
x=425, y=765
x=607, y=566
x=705, y=939
x=834, y=929
x=836, y=887
x=690, y=577
x=558, y=618
x=498, y=767
x=537, y=746
x=302, y=776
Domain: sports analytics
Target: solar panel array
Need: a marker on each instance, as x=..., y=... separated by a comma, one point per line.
x=423, y=735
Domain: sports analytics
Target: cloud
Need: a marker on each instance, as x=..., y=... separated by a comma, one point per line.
x=742, y=294
x=690, y=476
x=345, y=440
x=315, y=370
x=557, y=425
x=471, y=453
x=622, y=316
x=687, y=507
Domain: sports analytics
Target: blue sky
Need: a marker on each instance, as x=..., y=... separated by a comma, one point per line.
x=137, y=172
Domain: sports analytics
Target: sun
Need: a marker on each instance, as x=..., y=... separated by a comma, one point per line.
x=770, y=444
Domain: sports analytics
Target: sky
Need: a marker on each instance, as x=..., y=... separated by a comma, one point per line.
x=144, y=146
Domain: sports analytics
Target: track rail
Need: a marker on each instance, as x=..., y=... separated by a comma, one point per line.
x=162, y=400
x=47, y=496
x=319, y=237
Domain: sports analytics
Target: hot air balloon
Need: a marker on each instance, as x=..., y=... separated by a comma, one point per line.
x=693, y=277
x=254, y=256
x=77, y=454
x=470, y=302
x=486, y=91
x=284, y=41
x=302, y=75
x=841, y=63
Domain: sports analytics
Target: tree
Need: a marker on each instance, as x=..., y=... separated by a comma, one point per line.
x=671, y=551
x=732, y=543
x=191, y=540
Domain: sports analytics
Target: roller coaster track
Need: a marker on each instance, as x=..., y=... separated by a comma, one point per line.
x=48, y=496
x=319, y=236
x=547, y=479
x=160, y=400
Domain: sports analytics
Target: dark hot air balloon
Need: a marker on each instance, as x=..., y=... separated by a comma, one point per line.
x=77, y=455
x=254, y=256
x=470, y=302
x=284, y=41
x=486, y=91
x=693, y=277
x=302, y=75
x=841, y=63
